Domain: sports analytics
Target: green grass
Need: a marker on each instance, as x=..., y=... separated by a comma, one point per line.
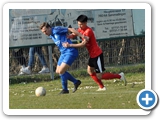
x=117, y=96
x=138, y=68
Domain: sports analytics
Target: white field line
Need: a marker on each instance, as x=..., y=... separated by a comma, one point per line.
x=85, y=87
x=105, y=92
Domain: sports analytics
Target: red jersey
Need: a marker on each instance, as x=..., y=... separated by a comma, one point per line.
x=92, y=46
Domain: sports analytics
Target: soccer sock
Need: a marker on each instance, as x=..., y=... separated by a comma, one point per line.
x=70, y=77
x=64, y=81
x=108, y=76
x=99, y=82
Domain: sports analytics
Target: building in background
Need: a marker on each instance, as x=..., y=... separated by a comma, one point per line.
x=106, y=23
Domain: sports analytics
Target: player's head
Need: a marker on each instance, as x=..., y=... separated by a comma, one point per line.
x=82, y=18
x=82, y=21
x=46, y=28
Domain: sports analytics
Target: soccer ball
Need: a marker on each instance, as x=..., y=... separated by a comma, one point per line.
x=40, y=91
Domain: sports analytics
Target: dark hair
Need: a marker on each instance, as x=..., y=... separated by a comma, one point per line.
x=44, y=24
x=82, y=18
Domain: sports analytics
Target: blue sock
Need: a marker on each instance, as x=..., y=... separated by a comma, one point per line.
x=64, y=79
x=70, y=77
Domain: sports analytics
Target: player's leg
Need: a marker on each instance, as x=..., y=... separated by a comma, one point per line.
x=59, y=71
x=107, y=75
x=64, y=63
x=99, y=65
x=99, y=68
x=92, y=73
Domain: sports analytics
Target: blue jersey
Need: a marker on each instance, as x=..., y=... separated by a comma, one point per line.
x=59, y=35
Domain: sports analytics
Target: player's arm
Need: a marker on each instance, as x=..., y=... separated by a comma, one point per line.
x=79, y=45
x=75, y=32
x=71, y=36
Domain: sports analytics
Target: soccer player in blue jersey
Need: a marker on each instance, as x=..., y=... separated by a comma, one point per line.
x=68, y=55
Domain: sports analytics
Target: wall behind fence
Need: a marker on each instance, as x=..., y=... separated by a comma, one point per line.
x=116, y=51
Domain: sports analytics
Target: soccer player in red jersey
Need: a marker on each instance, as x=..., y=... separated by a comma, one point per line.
x=96, y=61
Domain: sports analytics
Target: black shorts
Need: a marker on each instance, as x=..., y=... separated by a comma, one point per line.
x=97, y=63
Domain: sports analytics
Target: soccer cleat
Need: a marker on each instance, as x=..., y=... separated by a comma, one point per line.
x=44, y=70
x=102, y=89
x=26, y=70
x=64, y=92
x=123, y=78
x=76, y=85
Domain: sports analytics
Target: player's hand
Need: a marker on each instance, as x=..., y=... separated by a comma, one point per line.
x=86, y=38
x=66, y=44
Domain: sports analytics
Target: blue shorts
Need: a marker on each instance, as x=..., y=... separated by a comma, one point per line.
x=66, y=58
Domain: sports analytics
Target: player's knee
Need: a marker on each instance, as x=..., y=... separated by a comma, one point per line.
x=61, y=72
x=89, y=72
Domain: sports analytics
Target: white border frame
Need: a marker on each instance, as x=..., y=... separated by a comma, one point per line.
x=66, y=5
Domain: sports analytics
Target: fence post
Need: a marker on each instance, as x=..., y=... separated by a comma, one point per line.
x=51, y=62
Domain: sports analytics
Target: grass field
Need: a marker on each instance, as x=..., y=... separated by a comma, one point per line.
x=117, y=96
